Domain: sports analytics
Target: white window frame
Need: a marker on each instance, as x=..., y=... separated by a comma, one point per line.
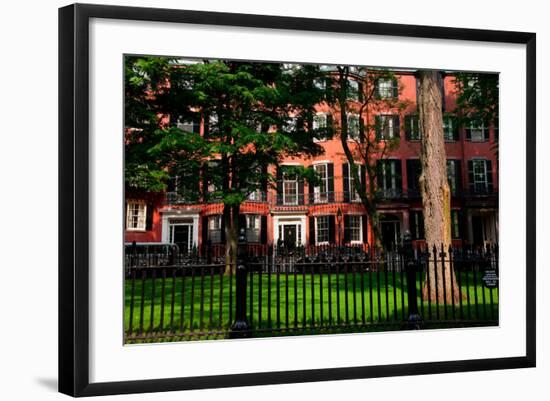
x=318, y=228
x=296, y=189
x=392, y=172
x=141, y=222
x=386, y=122
x=351, y=135
x=485, y=181
x=448, y=129
x=353, y=194
x=455, y=224
x=354, y=89
x=320, y=195
x=360, y=228
x=253, y=223
x=320, y=121
x=214, y=224
x=479, y=129
x=386, y=91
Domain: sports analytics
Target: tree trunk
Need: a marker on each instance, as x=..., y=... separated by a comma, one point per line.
x=434, y=187
x=231, y=222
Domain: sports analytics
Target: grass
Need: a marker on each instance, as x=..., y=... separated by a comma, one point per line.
x=205, y=304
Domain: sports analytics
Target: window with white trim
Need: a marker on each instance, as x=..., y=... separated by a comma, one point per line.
x=455, y=224
x=353, y=89
x=452, y=175
x=321, y=191
x=385, y=88
x=321, y=230
x=480, y=175
x=252, y=228
x=448, y=128
x=386, y=129
x=215, y=229
x=136, y=215
x=353, y=126
x=290, y=188
x=355, y=228
x=477, y=131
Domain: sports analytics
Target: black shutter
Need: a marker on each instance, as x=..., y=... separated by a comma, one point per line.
x=360, y=91
x=205, y=180
x=263, y=229
x=468, y=131
x=458, y=176
x=206, y=125
x=454, y=122
x=330, y=187
x=489, y=168
x=412, y=224
x=396, y=128
x=264, y=183
x=331, y=230
x=362, y=133
x=395, y=88
x=346, y=229
x=300, y=190
x=408, y=128
x=363, y=175
x=242, y=222
x=329, y=128
x=471, y=175
x=365, y=227
x=378, y=128
x=398, y=178
x=486, y=130
x=460, y=223
x=204, y=231
x=312, y=231
x=149, y=217
x=421, y=224
x=411, y=175
x=222, y=226
x=279, y=178
x=345, y=177
x=377, y=89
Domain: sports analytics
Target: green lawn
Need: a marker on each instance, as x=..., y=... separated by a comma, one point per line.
x=293, y=301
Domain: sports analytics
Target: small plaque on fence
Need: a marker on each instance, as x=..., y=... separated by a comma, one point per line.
x=490, y=278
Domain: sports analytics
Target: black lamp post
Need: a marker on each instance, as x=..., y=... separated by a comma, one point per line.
x=240, y=326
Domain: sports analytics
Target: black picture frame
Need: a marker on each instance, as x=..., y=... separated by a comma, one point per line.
x=74, y=198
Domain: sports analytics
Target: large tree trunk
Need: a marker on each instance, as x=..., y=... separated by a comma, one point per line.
x=231, y=222
x=434, y=187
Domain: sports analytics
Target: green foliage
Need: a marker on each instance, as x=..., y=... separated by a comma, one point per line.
x=477, y=96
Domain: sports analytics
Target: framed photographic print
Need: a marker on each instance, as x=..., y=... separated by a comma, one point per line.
x=250, y=199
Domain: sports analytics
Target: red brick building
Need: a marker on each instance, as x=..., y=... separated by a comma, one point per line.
x=295, y=212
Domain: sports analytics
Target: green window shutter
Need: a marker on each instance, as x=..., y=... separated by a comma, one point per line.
x=396, y=127
x=408, y=128
x=378, y=127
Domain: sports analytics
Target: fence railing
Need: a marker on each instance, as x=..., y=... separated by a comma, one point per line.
x=276, y=291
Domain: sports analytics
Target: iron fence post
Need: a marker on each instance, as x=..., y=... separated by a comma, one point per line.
x=240, y=328
x=414, y=320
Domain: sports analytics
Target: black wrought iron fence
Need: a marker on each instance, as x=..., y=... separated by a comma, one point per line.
x=274, y=290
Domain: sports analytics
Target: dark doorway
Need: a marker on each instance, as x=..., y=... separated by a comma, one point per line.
x=289, y=235
x=181, y=236
x=478, y=230
x=390, y=229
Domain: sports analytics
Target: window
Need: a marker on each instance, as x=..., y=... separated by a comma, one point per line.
x=387, y=126
x=412, y=128
x=353, y=86
x=320, y=83
x=355, y=229
x=321, y=191
x=213, y=176
x=252, y=228
x=189, y=124
x=290, y=189
x=455, y=223
x=477, y=131
x=322, y=123
x=389, y=178
x=450, y=128
x=290, y=124
x=386, y=88
x=215, y=229
x=353, y=194
x=416, y=223
x=136, y=214
x=353, y=126
x=453, y=175
x=321, y=230
x=479, y=176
